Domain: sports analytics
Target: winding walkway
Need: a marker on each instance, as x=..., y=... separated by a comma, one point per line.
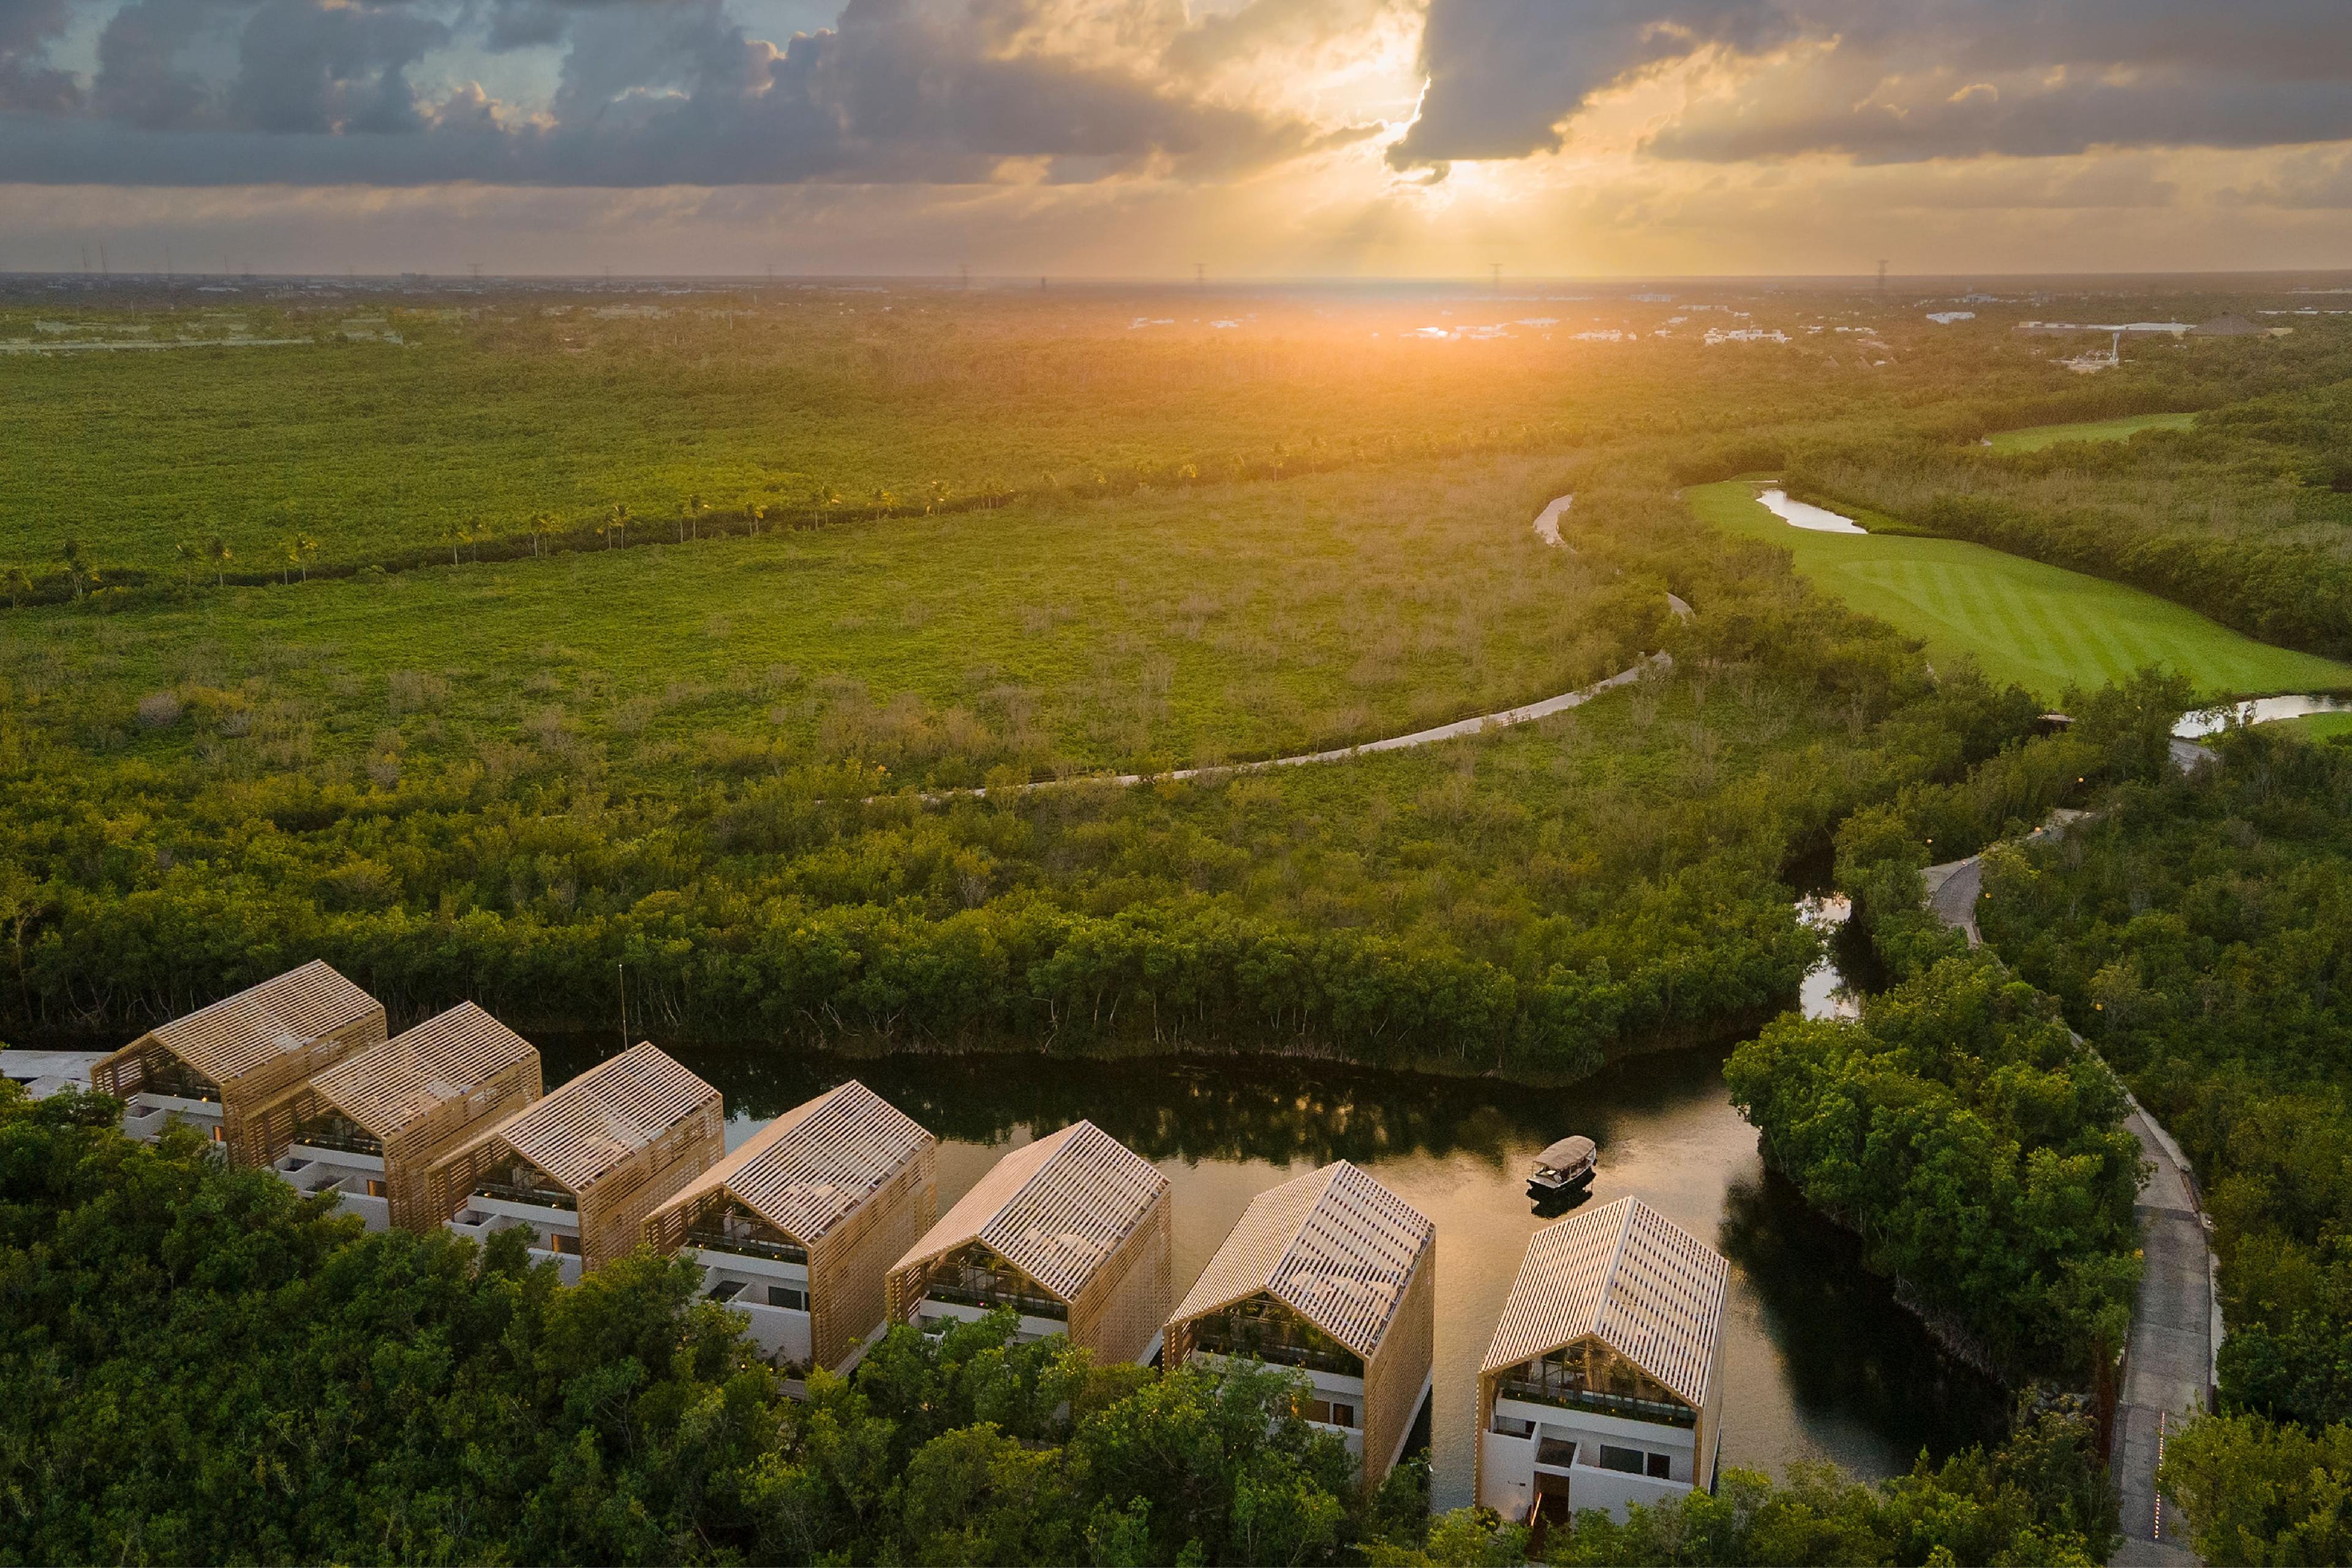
x=2168, y=1364
x=1547, y=527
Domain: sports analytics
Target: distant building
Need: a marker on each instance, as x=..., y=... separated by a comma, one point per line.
x=234, y=1069
x=1604, y=1384
x=1072, y=1231
x=584, y=1167
x=41, y=1073
x=371, y=1126
x=1332, y=1276
x=797, y=1229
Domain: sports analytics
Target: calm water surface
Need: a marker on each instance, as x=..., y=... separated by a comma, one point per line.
x=1819, y=1363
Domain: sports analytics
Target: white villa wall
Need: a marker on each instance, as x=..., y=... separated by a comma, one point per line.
x=144, y=1114
x=929, y=1314
x=307, y=1169
x=782, y=1332
x=481, y=1218
x=1509, y=1467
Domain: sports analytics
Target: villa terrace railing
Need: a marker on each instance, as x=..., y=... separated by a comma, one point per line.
x=989, y=1297
x=540, y=1197
x=1599, y=1404
x=1276, y=1353
x=720, y=1241
x=347, y=1143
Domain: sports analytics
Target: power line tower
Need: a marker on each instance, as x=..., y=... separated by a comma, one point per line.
x=1495, y=269
x=1882, y=279
x=963, y=273
x=477, y=269
x=1200, y=275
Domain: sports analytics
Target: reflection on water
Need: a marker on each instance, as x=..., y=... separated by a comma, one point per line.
x=1819, y=1363
x=2258, y=710
x=1805, y=515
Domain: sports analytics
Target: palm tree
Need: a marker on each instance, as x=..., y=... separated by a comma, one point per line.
x=18, y=583
x=77, y=563
x=476, y=531
x=613, y=530
x=758, y=514
x=541, y=524
x=306, y=550
x=218, y=552
x=189, y=553
x=291, y=556
x=453, y=534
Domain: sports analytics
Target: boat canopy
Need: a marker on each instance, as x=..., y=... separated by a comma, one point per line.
x=1568, y=1153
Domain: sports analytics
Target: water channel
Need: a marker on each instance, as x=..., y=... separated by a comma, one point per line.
x=1820, y=1362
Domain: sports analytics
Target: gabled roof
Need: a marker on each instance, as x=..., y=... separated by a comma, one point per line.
x=1054, y=1209
x=1629, y=1275
x=810, y=1168
x=597, y=1120
x=275, y=1018
x=1335, y=1247
x=388, y=1087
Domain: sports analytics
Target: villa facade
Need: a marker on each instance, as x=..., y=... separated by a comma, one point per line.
x=1333, y=1277
x=234, y=1071
x=371, y=1126
x=584, y=1167
x=1602, y=1385
x=797, y=1229
x=1073, y=1231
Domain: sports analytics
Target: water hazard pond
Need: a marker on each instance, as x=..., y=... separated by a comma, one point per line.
x=1819, y=1361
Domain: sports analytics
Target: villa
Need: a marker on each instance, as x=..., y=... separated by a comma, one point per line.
x=797, y=1229
x=371, y=1126
x=1604, y=1384
x=1334, y=1277
x=583, y=1168
x=1072, y=1231
x=234, y=1071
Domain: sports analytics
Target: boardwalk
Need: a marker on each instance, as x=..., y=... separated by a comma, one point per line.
x=2176, y=1324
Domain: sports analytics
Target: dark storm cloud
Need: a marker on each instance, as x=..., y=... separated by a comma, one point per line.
x=649, y=92
x=1895, y=80
x=28, y=84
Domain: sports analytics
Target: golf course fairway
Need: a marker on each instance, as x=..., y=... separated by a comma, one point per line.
x=2042, y=626
x=2036, y=436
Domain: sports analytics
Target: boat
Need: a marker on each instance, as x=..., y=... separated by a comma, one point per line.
x=1565, y=1167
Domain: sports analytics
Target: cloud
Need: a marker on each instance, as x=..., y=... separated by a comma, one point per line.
x=648, y=92
x=1889, y=79
x=29, y=84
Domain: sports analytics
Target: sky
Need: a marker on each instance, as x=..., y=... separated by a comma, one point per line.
x=1139, y=138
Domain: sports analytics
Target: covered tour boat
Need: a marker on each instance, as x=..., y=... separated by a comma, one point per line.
x=1565, y=1167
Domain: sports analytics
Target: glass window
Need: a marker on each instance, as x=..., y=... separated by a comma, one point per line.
x=1661, y=1466
x=1343, y=1415
x=1629, y=1460
x=786, y=1296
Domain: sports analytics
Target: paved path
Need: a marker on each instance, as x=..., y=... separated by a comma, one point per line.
x=2169, y=1369
x=1547, y=527
x=2176, y=1321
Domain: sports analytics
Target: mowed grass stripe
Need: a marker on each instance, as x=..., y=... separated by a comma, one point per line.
x=2035, y=438
x=2042, y=626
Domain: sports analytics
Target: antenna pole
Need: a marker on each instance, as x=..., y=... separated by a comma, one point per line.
x=622, y=972
x=1881, y=278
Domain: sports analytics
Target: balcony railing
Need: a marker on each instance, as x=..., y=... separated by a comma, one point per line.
x=1274, y=1354
x=1600, y=1404
x=539, y=1197
x=348, y=1142
x=746, y=1247
x=986, y=1296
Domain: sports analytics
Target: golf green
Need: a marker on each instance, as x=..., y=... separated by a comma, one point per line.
x=2035, y=438
x=2042, y=626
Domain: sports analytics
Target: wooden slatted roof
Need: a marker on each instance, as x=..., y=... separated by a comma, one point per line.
x=1335, y=1247
x=1054, y=1209
x=810, y=1168
x=388, y=1087
x=1631, y=1276
x=255, y=1027
x=597, y=1120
